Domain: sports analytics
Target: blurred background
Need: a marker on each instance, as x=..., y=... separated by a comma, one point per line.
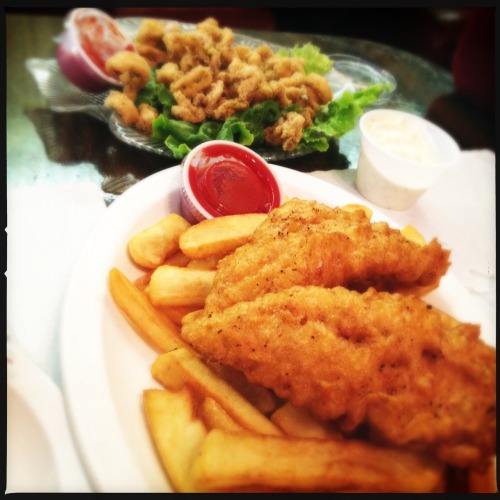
x=432, y=33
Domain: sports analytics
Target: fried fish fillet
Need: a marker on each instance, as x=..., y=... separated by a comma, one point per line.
x=308, y=243
x=412, y=375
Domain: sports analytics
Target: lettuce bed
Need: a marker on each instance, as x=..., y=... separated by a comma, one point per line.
x=247, y=128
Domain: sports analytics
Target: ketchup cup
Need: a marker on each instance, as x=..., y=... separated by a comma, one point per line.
x=226, y=178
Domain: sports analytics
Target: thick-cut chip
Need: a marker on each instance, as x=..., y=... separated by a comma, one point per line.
x=351, y=207
x=154, y=327
x=177, y=433
x=215, y=417
x=208, y=263
x=178, y=258
x=413, y=234
x=242, y=462
x=177, y=313
x=295, y=421
x=142, y=282
x=180, y=367
x=259, y=396
x=219, y=236
x=151, y=246
x=180, y=286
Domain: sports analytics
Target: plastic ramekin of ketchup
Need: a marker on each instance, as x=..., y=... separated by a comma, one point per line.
x=90, y=37
x=225, y=178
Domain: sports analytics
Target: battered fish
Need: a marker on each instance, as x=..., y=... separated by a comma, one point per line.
x=308, y=243
x=410, y=374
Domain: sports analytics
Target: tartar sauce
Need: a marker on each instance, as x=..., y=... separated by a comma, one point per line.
x=401, y=137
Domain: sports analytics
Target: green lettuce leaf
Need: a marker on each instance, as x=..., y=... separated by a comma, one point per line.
x=156, y=95
x=247, y=128
x=314, y=60
x=338, y=117
x=235, y=130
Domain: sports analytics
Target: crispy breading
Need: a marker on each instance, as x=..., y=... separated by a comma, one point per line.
x=123, y=105
x=168, y=73
x=147, y=114
x=412, y=375
x=311, y=243
x=211, y=78
x=286, y=131
x=132, y=70
x=149, y=41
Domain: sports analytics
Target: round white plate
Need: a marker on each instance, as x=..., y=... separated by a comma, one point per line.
x=106, y=365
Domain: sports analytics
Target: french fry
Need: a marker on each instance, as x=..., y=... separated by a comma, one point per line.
x=178, y=258
x=208, y=263
x=151, y=246
x=177, y=313
x=153, y=326
x=177, y=433
x=242, y=462
x=180, y=286
x=295, y=421
x=257, y=395
x=142, y=282
x=219, y=236
x=175, y=369
x=351, y=207
x=413, y=234
x=215, y=417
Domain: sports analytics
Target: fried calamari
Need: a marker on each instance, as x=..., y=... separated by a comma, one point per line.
x=211, y=78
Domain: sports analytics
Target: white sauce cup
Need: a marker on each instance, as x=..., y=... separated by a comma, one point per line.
x=401, y=156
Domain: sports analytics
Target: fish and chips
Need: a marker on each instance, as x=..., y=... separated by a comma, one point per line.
x=313, y=362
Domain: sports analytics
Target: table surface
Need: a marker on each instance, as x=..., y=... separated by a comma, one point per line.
x=45, y=146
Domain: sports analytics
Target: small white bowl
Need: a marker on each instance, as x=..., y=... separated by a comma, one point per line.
x=90, y=37
x=401, y=156
x=226, y=178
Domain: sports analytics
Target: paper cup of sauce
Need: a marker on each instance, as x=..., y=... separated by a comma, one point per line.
x=401, y=156
x=225, y=178
x=90, y=37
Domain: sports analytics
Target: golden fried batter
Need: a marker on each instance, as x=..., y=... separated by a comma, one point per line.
x=149, y=41
x=311, y=243
x=211, y=78
x=414, y=376
x=132, y=70
x=147, y=114
x=286, y=131
x=123, y=105
x=168, y=73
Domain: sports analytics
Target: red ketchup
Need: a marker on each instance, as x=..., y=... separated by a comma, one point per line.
x=225, y=178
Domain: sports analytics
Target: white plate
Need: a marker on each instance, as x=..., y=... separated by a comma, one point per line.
x=106, y=365
x=41, y=457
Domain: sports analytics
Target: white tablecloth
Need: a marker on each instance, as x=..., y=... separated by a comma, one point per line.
x=47, y=226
